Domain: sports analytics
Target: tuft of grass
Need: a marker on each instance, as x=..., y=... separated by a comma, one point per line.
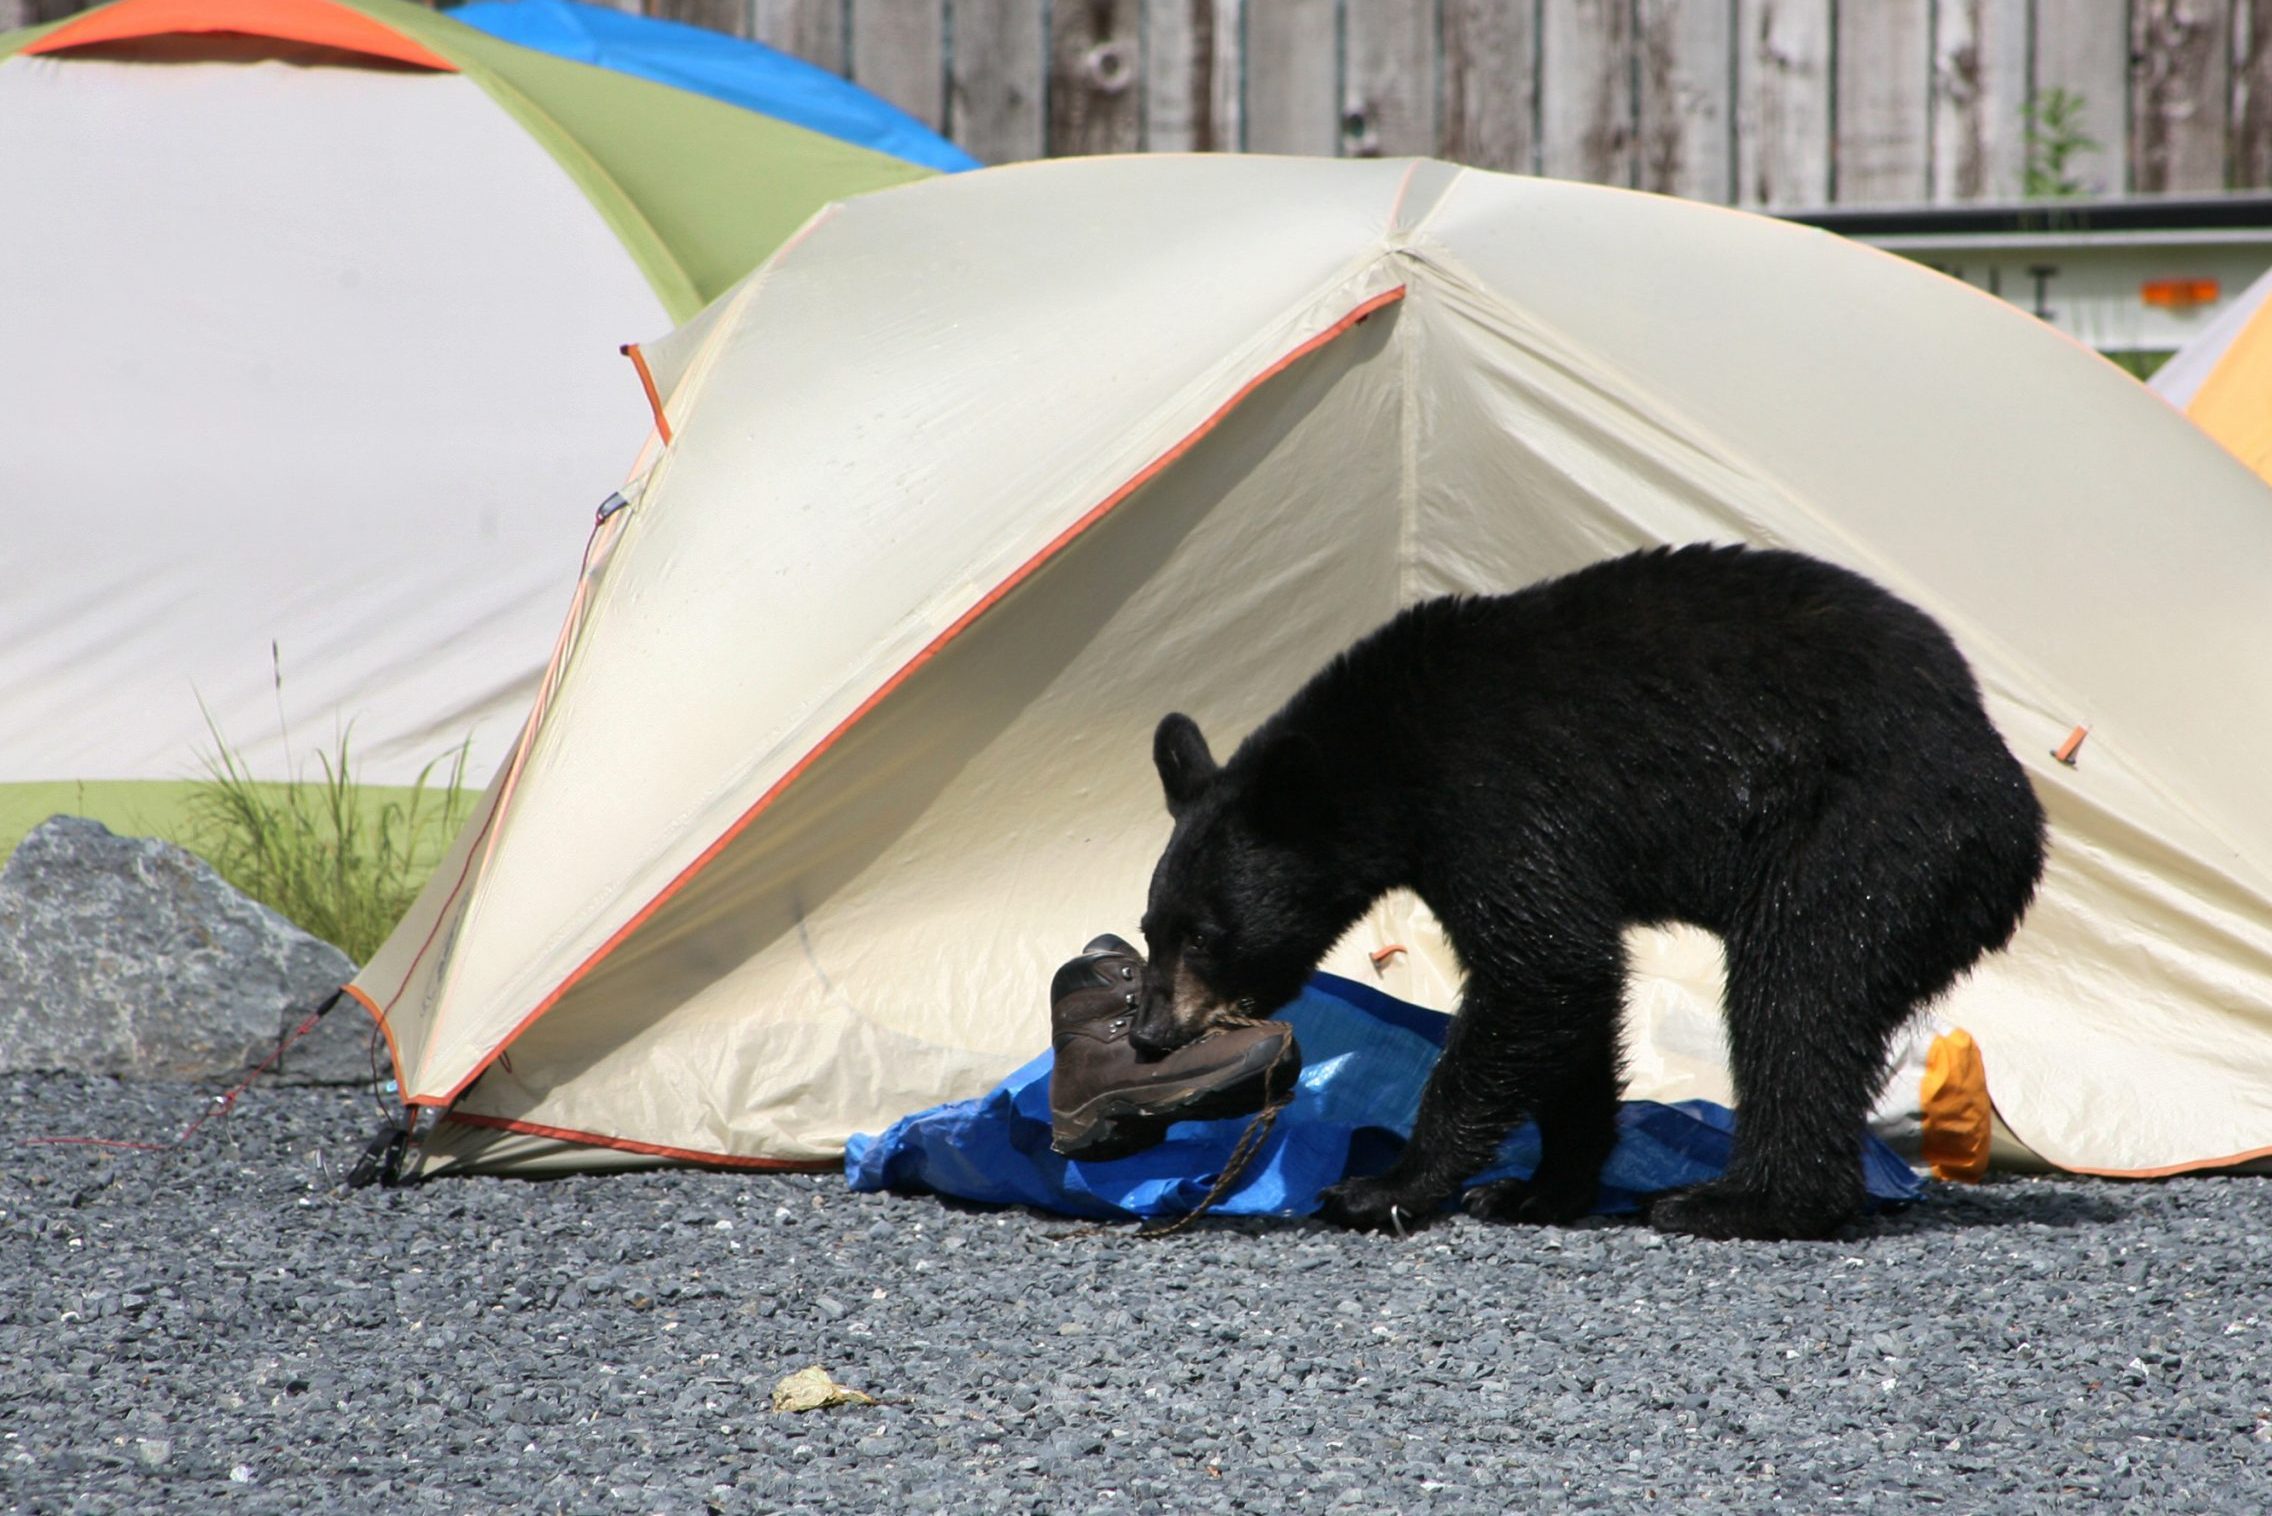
x=321, y=853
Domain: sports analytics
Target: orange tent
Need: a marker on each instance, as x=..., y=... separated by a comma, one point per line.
x=2222, y=379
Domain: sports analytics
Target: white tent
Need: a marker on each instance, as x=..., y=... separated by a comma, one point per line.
x=309, y=318
x=849, y=744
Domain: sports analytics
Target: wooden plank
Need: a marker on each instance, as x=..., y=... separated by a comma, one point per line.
x=899, y=52
x=996, y=84
x=1226, y=74
x=1881, y=140
x=1178, y=47
x=2252, y=95
x=2081, y=49
x=809, y=29
x=1783, y=102
x=1293, y=85
x=2180, y=94
x=1980, y=65
x=1685, y=116
x=16, y=13
x=1490, y=62
x=729, y=16
x=1191, y=76
x=1388, y=89
x=1096, y=51
x=1585, y=91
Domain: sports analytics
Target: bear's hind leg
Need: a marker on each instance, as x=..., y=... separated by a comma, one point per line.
x=1808, y=1030
x=1506, y=1054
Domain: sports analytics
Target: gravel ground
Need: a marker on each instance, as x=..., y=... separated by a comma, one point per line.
x=226, y=1328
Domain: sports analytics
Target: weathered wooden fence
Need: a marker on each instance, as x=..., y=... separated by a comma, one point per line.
x=1754, y=102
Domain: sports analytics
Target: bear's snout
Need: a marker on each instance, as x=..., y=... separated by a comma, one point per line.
x=1152, y=1042
x=1176, y=1009
x=1157, y=1032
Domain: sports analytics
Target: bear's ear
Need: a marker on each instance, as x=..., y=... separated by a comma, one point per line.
x=1288, y=796
x=1186, y=767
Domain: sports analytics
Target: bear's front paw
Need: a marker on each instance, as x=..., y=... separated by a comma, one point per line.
x=1378, y=1205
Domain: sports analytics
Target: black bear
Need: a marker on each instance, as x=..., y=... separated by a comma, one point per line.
x=1752, y=741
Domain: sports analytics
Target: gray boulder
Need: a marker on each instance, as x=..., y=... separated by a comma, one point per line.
x=128, y=955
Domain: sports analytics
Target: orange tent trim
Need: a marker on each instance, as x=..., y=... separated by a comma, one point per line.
x=2171, y=1170
x=650, y=1149
x=317, y=22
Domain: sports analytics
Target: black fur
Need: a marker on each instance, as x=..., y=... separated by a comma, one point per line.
x=1754, y=742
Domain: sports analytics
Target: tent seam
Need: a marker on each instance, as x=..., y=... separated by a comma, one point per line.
x=1149, y=470
x=598, y=553
x=1408, y=403
x=1408, y=463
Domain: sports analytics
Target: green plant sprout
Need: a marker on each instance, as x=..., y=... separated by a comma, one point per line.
x=2055, y=138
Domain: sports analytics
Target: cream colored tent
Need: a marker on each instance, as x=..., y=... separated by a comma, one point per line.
x=848, y=745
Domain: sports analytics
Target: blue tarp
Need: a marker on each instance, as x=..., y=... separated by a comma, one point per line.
x=739, y=72
x=1365, y=1056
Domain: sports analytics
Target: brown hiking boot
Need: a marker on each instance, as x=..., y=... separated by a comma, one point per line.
x=1106, y=1100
